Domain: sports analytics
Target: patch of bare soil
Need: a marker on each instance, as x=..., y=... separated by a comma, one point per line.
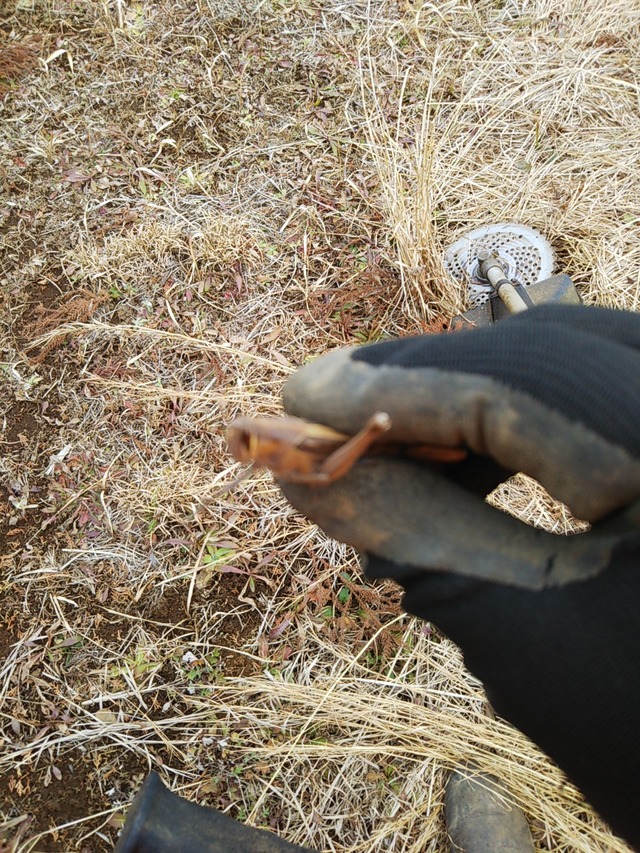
x=65, y=793
x=71, y=785
x=27, y=439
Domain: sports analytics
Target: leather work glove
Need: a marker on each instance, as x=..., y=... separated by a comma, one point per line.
x=548, y=623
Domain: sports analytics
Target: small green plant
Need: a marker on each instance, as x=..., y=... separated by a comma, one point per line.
x=215, y=556
x=138, y=664
x=65, y=647
x=205, y=670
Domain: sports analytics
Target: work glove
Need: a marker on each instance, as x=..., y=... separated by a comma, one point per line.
x=548, y=623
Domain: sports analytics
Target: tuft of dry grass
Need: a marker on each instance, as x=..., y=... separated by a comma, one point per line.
x=15, y=61
x=383, y=774
x=198, y=197
x=405, y=167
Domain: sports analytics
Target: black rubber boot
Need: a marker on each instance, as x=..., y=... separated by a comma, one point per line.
x=481, y=819
x=160, y=821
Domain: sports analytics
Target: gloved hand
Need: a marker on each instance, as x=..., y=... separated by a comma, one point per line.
x=548, y=623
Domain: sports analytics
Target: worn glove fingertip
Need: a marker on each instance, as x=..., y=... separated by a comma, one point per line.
x=326, y=390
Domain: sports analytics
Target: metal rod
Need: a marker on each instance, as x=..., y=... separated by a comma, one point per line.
x=492, y=270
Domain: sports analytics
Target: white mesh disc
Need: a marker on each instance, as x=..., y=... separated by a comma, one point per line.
x=526, y=253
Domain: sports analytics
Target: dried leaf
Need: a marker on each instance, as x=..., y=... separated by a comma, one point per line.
x=278, y=630
x=106, y=716
x=227, y=569
x=56, y=54
x=277, y=356
x=73, y=176
x=272, y=336
x=263, y=647
x=69, y=641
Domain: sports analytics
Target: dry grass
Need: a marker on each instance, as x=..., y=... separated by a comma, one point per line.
x=15, y=61
x=197, y=198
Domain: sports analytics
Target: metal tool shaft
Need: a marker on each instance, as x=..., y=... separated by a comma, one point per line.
x=492, y=270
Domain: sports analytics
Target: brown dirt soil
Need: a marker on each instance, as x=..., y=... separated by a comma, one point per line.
x=78, y=784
